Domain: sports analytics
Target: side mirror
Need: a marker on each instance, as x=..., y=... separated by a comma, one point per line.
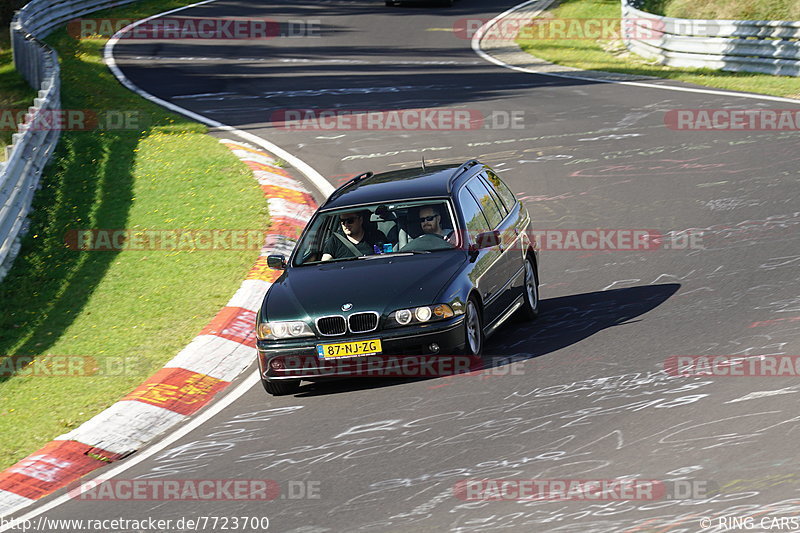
x=487, y=239
x=276, y=262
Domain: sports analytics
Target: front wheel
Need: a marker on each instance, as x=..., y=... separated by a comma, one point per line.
x=281, y=388
x=473, y=329
x=530, y=309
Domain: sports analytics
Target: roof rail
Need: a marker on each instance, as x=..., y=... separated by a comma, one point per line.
x=338, y=192
x=460, y=170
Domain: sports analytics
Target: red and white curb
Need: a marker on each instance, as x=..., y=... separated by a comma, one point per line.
x=222, y=350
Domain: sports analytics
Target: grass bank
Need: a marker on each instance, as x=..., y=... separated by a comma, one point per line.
x=612, y=56
x=726, y=9
x=126, y=312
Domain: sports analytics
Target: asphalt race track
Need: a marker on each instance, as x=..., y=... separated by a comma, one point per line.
x=581, y=393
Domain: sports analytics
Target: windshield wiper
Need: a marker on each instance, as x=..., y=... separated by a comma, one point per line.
x=340, y=260
x=394, y=254
x=370, y=256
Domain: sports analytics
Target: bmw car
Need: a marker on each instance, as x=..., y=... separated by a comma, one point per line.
x=415, y=262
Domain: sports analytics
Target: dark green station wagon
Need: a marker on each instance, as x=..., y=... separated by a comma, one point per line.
x=404, y=263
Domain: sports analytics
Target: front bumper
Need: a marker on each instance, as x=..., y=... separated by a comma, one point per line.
x=299, y=359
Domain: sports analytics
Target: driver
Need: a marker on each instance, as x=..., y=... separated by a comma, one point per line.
x=355, y=240
x=430, y=220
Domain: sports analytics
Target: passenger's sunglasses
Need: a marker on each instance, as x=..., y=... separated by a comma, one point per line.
x=427, y=219
x=348, y=220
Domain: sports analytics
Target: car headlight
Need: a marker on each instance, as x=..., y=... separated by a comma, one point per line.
x=420, y=315
x=423, y=314
x=403, y=316
x=289, y=329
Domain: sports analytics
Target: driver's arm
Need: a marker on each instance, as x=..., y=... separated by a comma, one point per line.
x=327, y=249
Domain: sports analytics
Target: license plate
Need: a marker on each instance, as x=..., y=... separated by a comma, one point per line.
x=349, y=349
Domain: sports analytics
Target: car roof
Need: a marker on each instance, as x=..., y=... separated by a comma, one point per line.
x=432, y=182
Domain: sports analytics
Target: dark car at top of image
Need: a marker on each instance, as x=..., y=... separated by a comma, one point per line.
x=424, y=262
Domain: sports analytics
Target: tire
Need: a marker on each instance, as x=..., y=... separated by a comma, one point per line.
x=530, y=307
x=281, y=388
x=473, y=328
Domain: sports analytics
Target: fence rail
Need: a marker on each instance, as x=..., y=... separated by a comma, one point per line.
x=33, y=145
x=763, y=46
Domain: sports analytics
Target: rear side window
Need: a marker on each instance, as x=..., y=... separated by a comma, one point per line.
x=493, y=213
x=473, y=216
x=502, y=189
x=493, y=194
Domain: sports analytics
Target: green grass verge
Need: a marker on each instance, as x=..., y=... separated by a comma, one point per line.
x=727, y=9
x=15, y=93
x=145, y=306
x=612, y=56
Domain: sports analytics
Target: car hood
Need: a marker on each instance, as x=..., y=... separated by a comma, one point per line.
x=381, y=284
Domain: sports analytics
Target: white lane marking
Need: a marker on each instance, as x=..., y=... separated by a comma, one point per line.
x=764, y=394
x=196, y=422
x=108, y=56
x=476, y=47
x=340, y=91
x=611, y=137
x=302, y=61
x=201, y=95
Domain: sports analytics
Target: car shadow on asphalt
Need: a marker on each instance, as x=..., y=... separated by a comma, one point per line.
x=562, y=322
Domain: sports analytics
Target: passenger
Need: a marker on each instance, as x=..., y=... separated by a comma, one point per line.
x=358, y=238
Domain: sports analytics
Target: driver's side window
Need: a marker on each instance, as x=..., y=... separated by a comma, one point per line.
x=312, y=248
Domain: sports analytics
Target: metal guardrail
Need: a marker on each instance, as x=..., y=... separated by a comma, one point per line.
x=763, y=46
x=33, y=145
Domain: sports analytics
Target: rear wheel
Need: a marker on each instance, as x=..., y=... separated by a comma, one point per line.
x=281, y=388
x=473, y=328
x=530, y=309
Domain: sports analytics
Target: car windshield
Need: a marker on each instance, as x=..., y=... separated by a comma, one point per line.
x=366, y=231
